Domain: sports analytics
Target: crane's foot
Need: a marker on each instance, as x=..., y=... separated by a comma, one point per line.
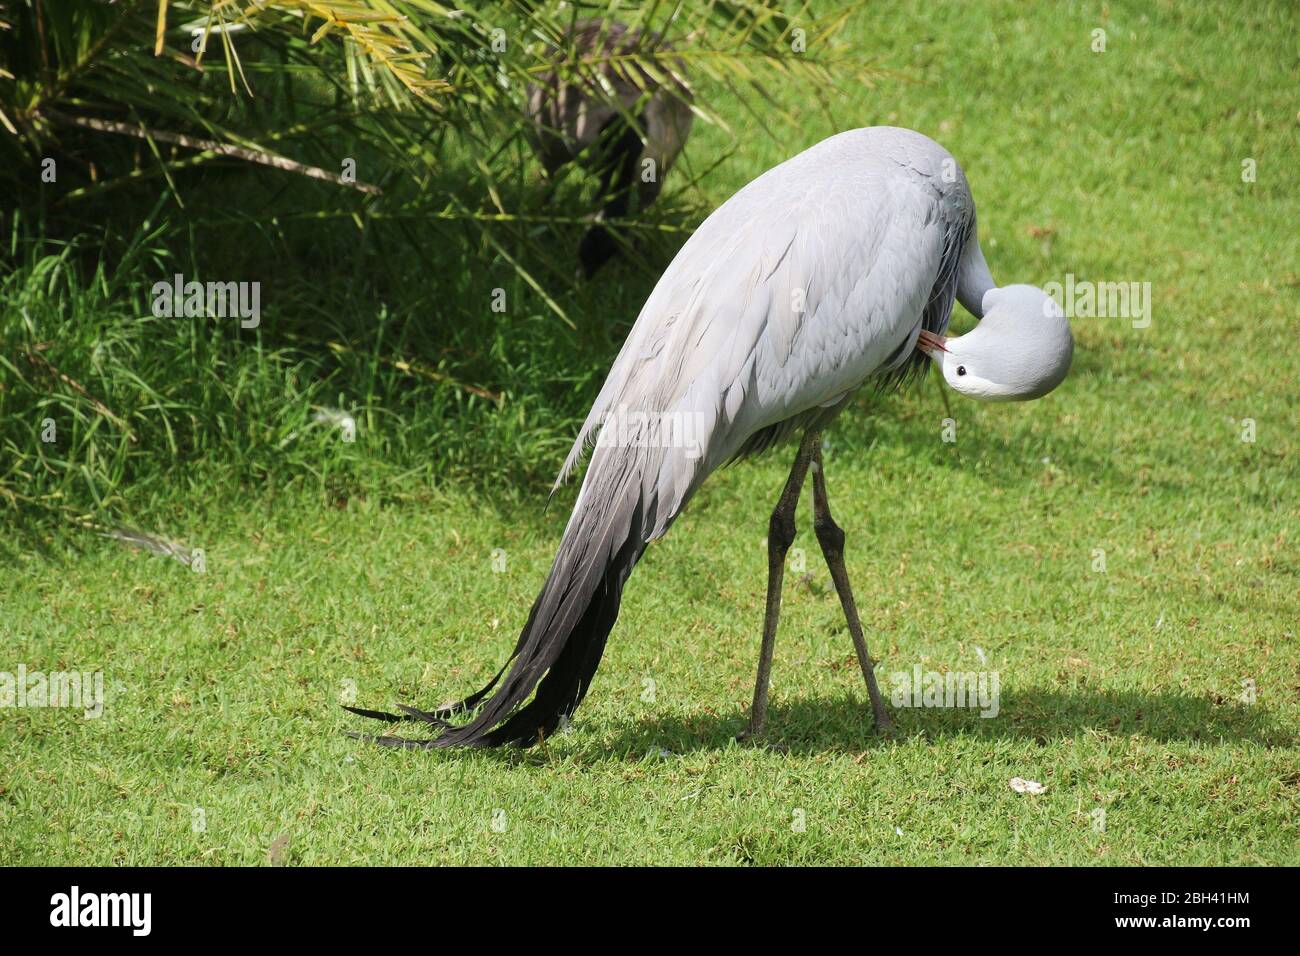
x=884, y=725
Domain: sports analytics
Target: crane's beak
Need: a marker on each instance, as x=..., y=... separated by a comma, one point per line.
x=931, y=344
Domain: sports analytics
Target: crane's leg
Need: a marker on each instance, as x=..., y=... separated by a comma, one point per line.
x=831, y=538
x=780, y=532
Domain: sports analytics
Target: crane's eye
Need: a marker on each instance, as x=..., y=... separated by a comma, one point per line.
x=961, y=369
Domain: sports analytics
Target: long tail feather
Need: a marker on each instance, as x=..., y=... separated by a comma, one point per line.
x=561, y=644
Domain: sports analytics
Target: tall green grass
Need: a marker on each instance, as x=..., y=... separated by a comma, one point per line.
x=142, y=405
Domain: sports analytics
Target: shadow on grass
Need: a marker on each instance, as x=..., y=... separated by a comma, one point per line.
x=1042, y=715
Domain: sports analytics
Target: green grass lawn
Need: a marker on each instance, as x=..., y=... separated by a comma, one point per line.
x=1116, y=552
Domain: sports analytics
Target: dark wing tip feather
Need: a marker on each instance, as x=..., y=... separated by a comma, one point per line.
x=560, y=646
x=377, y=714
x=402, y=743
x=429, y=717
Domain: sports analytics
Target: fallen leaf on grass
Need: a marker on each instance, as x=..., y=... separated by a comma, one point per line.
x=1021, y=785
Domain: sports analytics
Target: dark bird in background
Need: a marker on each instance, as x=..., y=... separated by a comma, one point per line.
x=629, y=133
x=835, y=270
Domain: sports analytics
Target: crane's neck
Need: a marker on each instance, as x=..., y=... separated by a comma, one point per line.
x=973, y=277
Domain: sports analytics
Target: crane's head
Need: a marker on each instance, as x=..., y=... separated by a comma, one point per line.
x=1020, y=350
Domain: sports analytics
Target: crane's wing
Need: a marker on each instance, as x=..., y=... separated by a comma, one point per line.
x=794, y=292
